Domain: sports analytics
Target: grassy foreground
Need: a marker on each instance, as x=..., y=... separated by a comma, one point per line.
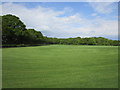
x=60, y=66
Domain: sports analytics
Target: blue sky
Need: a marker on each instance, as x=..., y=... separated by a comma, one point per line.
x=68, y=19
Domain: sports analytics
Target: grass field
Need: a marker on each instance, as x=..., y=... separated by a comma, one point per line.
x=60, y=66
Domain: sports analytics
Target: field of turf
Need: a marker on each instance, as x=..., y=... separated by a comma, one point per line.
x=60, y=66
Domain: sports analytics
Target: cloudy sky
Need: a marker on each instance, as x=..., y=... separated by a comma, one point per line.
x=68, y=19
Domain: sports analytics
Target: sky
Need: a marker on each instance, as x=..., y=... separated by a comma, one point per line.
x=67, y=19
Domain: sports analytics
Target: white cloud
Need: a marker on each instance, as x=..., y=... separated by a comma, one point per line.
x=94, y=14
x=103, y=7
x=49, y=22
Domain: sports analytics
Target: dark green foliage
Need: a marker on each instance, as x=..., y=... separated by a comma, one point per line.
x=32, y=36
x=83, y=41
x=12, y=29
x=14, y=32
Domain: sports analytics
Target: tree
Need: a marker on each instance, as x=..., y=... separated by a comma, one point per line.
x=32, y=36
x=12, y=29
x=91, y=41
x=14, y=32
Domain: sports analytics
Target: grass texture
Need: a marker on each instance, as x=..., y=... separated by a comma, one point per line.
x=60, y=66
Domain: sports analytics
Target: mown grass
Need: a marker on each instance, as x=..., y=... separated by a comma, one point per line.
x=60, y=66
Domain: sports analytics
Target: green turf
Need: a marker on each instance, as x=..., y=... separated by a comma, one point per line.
x=60, y=66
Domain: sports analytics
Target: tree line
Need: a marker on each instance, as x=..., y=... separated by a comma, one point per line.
x=14, y=32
